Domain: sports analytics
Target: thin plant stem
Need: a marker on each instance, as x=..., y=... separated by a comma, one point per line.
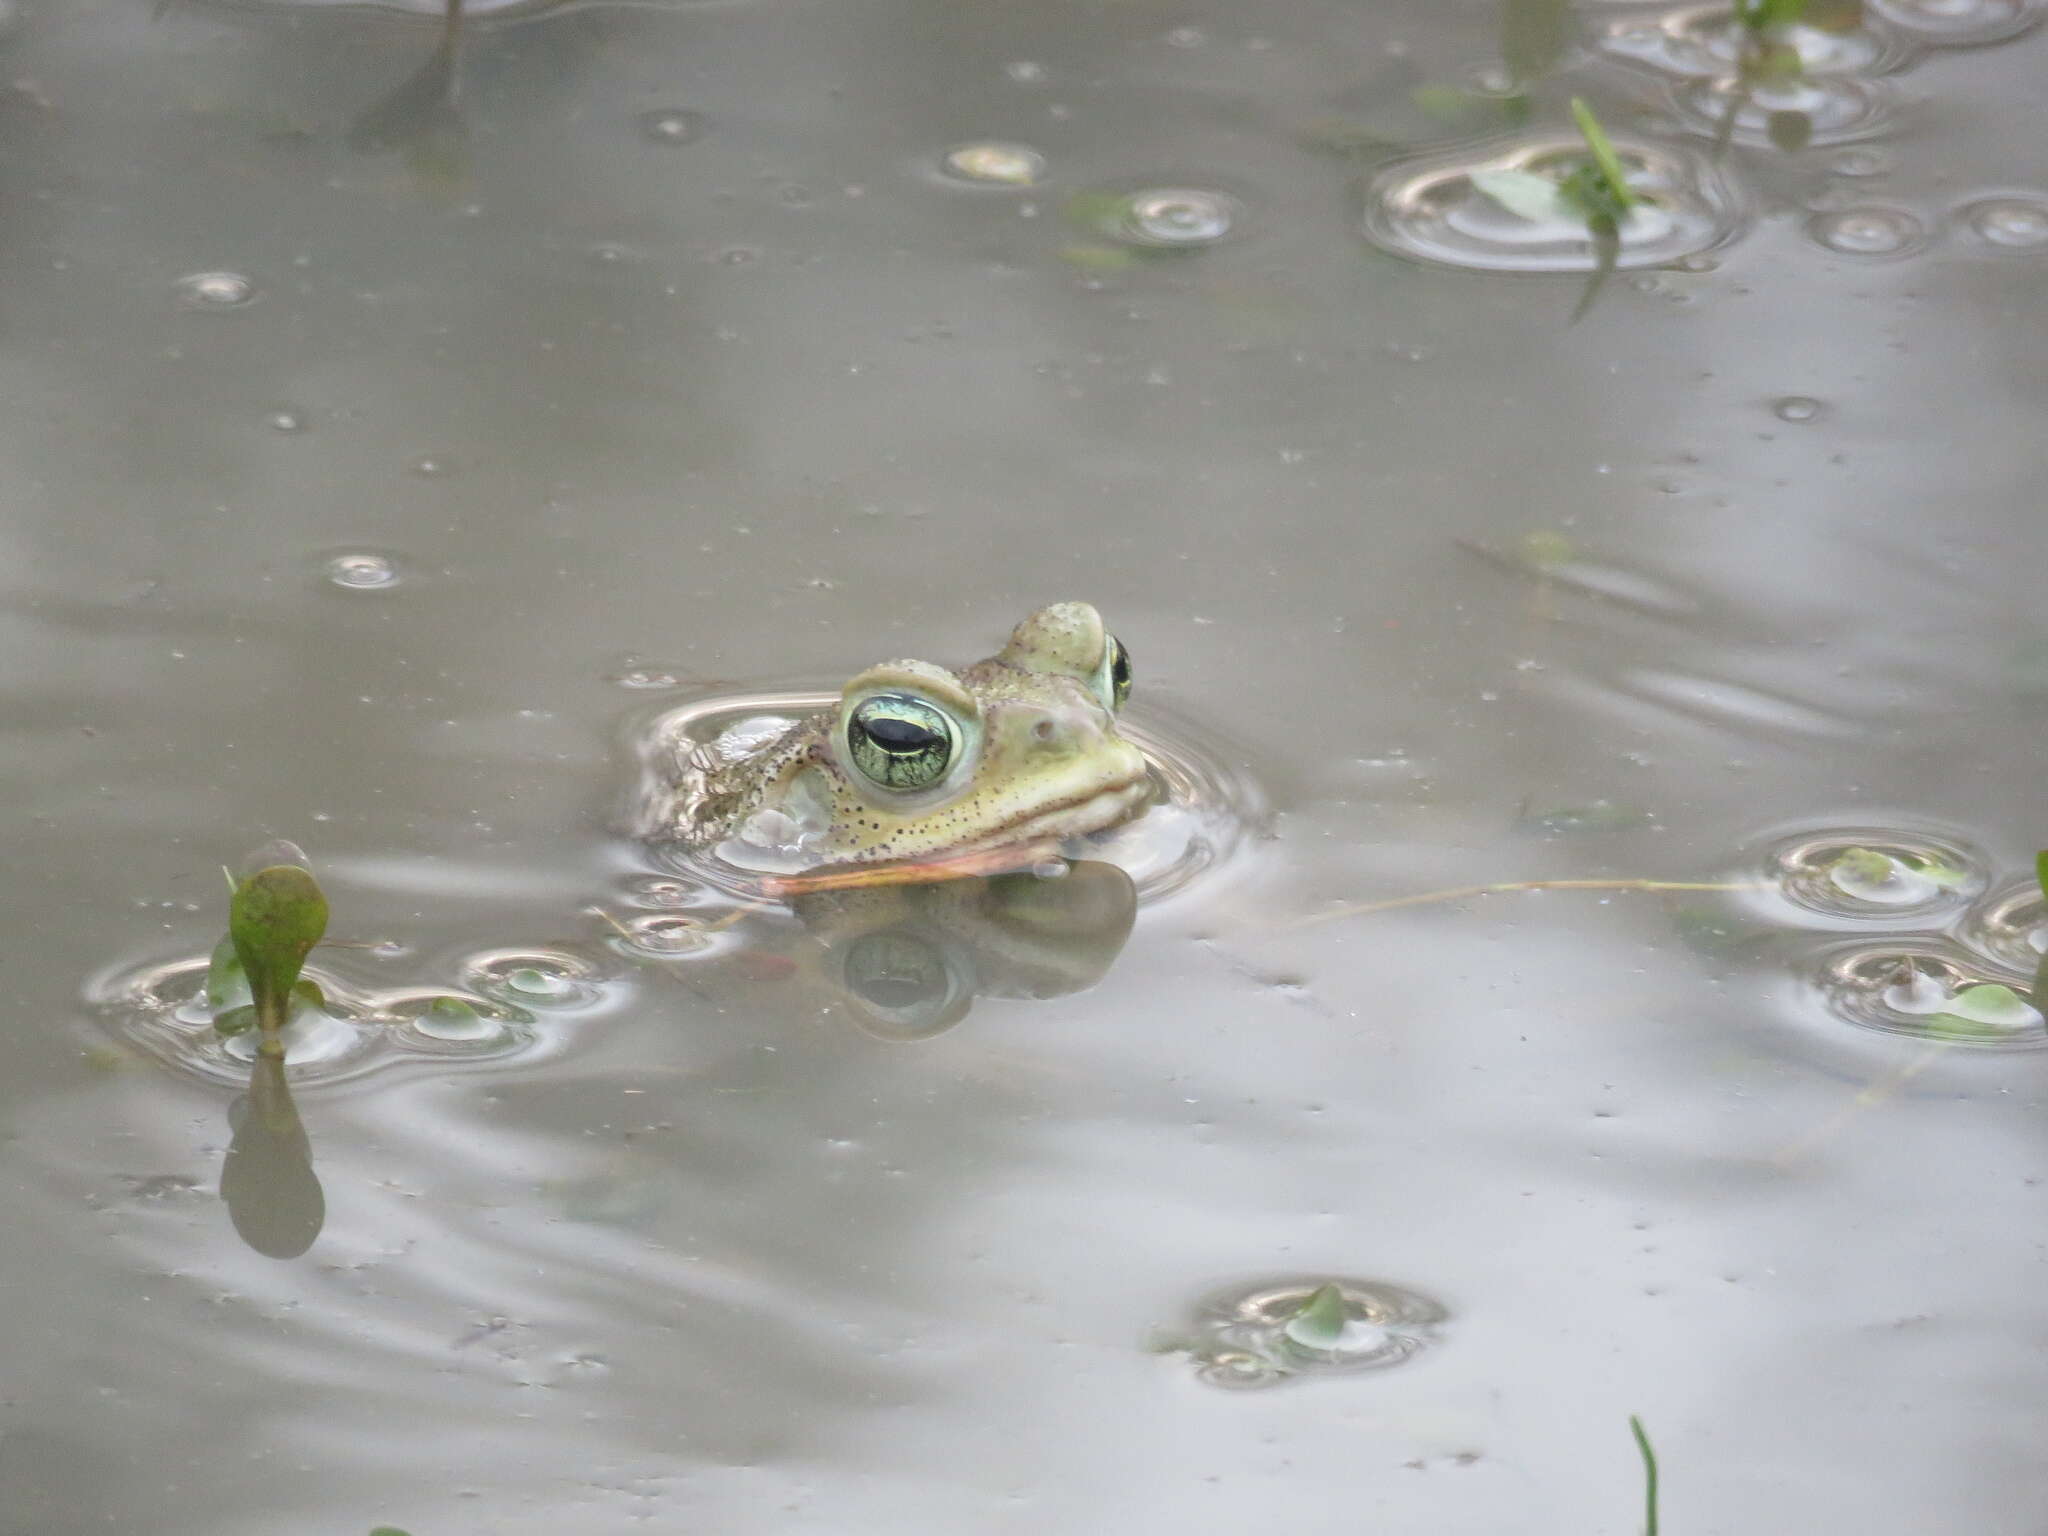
x=1635, y=1427
x=1503, y=887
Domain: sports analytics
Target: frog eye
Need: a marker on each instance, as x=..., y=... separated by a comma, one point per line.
x=1114, y=681
x=901, y=742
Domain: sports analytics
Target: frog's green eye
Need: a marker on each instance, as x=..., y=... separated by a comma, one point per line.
x=900, y=742
x=1115, y=682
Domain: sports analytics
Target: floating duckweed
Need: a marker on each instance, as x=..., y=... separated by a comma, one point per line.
x=454, y=1020
x=2009, y=223
x=216, y=290
x=1287, y=1329
x=1924, y=988
x=362, y=570
x=1011, y=165
x=671, y=125
x=1874, y=232
x=1876, y=875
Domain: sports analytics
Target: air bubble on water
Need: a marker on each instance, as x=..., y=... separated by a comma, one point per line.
x=216, y=290
x=1275, y=1332
x=671, y=125
x=286, y=421
x=1025, y=71
x=362, y=570
x=1430, y=207
x=1869, y=232
x=1796, y=408
x=1165, y=218
x=994, y=164
x=1960, y=23
x=429, y=466
x=2017, y=224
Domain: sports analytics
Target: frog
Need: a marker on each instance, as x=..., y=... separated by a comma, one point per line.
x=918, y=765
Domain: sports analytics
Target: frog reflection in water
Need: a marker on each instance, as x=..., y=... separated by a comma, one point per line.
x=922, y=766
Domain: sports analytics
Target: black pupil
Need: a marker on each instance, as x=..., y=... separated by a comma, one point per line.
x=901, y=738
x=1120, y=669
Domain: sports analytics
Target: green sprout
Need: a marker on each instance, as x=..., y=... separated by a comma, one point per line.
x=1769, y=15
x=1595, y=192
x=1635, y=1426
x=2041, y=871
x=1320, y=1322
x=275, y=917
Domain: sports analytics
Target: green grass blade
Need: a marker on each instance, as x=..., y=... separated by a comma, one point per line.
x=1635, y=1426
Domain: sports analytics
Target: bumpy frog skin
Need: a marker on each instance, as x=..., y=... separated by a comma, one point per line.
x=917, y=762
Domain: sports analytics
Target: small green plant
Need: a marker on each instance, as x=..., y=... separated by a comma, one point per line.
x=1595, y=192
x=1635, y=1426
x=1320, y=1322
x=275, y=917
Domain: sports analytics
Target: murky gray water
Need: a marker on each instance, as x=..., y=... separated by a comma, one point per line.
x=392, y=435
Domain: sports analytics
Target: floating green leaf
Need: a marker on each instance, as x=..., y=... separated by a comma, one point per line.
x=275, y=918
x=1935, y=868
x=1523, y=193
x=227, y=987
x=1863, y=866
x=387, y=1530
x=1320, y=1322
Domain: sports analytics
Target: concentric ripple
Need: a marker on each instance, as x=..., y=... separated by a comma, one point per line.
x=1875, y=233
x=2010, y=928
x=1933, y=991
x=1248, y=1338
x=1708, y=40
x=498, y=1012
x=1429, y=208
x=1960, y=23
x=1162, y=218
x=1201, y=814
x=2015, y=225
x=1835, y=109
x=1859, y=876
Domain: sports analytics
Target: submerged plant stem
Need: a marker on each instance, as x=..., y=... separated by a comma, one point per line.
x=1635, y=1427
x=1502, y=887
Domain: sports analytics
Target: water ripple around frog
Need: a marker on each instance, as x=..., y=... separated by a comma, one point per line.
x=1203, y=812
x=1429, y=208
x=1856, y=876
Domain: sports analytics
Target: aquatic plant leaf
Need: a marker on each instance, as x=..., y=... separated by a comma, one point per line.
x=1863, y=866
x=226, y=984
x=2041, y=870
x=1606, y=235
x=1523, y=193
x=1642, y=1438
x=1612, y=173
x=1763, y=15
x=1789, y=131
x=1532, y=36
x=275, y=918
x=1936, y=869
x=234, y=1020
x=454, y=1010
x=1320, y=1322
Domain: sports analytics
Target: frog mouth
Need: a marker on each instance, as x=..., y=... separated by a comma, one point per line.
x=1075, y=816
